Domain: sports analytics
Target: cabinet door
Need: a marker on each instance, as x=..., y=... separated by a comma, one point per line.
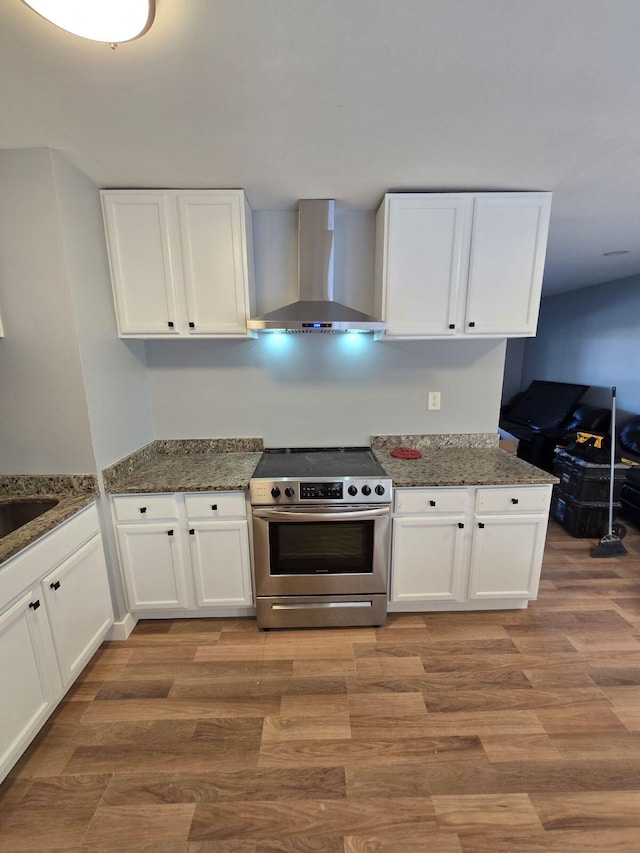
x=142, y=265
x=425, y=248
x=508, y=246
x=427, y=559
x=214, y=262
x=152, y=565
x=220, y=562
x=506, y=556
x=28, y=685
x=79, y=607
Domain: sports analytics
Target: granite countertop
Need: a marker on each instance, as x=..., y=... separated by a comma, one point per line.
x=192, y=465
x=462, y=466
x=73, y=493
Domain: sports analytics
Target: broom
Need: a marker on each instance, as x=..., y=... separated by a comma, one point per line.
x=610, y=544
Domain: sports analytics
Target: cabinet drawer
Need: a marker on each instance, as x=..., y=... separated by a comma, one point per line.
x=216, y=505
x=514, y=499
x=430, y=501
x=145, y=507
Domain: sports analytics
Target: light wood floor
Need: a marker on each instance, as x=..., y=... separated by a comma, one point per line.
x=504, y=731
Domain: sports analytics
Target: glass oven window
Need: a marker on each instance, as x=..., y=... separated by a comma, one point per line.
x=321, y=547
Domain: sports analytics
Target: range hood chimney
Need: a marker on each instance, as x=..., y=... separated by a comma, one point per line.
x=315, y=310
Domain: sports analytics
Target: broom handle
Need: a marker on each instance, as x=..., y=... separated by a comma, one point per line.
x=613, y=457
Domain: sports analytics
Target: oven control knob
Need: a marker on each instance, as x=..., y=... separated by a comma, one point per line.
x=366, y=490
x=379, y=490
x=275, y=492
x=352, y=490
x=289, y=492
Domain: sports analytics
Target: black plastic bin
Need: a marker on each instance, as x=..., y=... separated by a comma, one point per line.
x=588, y=482
x=580, y=519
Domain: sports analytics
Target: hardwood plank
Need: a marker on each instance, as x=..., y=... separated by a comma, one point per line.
x=591, y=841
x=588, y=810
x=391, y=780
x=435, y=842
x=143, y=788
x=519, y=747
x=473, y=812
x=36, y=828
x=285, y=728
x=390, y=818
x=178, y=709
x=111, y=824
x=362, y=751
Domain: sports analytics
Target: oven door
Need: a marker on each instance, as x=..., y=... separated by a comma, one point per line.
x=320, y=550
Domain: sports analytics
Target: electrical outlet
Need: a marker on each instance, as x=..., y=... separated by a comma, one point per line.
x=434, y=401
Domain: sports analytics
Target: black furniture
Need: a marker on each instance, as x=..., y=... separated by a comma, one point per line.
x=630, y=449
x=548, y=414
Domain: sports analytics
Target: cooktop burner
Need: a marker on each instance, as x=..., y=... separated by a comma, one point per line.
x=301, y=462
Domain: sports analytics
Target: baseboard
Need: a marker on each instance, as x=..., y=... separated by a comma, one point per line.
x=121, y=630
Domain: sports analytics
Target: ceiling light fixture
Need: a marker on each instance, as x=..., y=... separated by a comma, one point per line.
x=111, y=21
x=616, y=252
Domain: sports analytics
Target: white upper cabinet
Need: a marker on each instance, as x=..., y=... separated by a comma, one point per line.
x=181, y=262
x=461, y=264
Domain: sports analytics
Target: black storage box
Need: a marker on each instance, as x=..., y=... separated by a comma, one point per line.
x=630, y=502
x=588, y=481
x=582, y=520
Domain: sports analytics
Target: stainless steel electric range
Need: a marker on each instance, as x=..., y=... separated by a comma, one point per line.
x=321, y=534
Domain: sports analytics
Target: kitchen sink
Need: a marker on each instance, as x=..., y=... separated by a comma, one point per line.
x=18, y=512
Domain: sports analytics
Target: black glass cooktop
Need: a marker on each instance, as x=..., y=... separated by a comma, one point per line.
x=300, y=462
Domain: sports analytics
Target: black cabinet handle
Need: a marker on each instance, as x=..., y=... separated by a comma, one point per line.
x=460, y=525
x=480, y=524
x=34, y=604
x=452, y=325
x=432, y=503
x=192, y=532
x=169, y=532
x=472, y=325
x=143, y=509
x=214, y=507
x=514, y=500
x=55, y=585
x=192, y=325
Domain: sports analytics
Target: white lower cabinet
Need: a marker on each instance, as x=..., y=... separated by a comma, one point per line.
x=151, y=556
x=468, y=546
x=199, y=558
x=55, y=610
x=78, y=604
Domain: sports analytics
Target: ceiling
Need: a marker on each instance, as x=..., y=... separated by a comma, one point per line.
x=348, y=99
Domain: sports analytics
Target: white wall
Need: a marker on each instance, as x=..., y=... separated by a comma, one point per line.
x=320, y=389
x=114, y=370
x=591, y=336
x=44, y=422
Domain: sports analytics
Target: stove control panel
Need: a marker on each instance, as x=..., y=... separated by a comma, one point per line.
x=352, y=490
x=312, y=491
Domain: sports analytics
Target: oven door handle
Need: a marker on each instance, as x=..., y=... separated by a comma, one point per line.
x=322, y=515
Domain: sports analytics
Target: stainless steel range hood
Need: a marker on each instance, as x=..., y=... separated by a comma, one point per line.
x=315, y=310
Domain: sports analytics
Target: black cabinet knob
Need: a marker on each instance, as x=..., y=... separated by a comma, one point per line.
x=366, y=490
x=192, y=532
x=452, y=325
x=515, y=500
x=379, y=490
x=432, y=503
x=480, y=525
x=34, y=604
x=169, y=532
x=192, y=325
x=55, y=585
x=460, y=525
x=472, y=325
x=214, y=507
x=170, y=324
